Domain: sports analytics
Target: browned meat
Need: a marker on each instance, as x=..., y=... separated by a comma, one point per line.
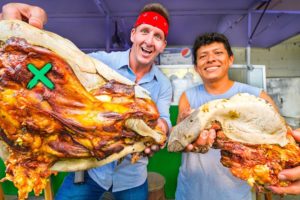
x=260, y=164
x=42, y=126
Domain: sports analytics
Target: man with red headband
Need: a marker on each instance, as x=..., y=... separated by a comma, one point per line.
x=148, y=36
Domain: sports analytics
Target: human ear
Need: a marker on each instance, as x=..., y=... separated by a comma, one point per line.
x=231, y=59
x=163, y=46
x=133, y=31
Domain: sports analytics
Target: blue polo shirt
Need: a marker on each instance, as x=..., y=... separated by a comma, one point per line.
x=126, y=175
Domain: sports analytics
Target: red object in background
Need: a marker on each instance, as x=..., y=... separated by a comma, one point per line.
x=186, y=52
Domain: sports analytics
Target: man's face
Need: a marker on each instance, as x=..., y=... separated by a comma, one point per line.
x=147, y=42
x=213, y=62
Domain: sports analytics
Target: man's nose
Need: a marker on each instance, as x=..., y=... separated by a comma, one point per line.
x=149, y=39
x=211, y=57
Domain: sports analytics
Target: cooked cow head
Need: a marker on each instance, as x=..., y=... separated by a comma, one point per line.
x=91, y=116
x=251, y=134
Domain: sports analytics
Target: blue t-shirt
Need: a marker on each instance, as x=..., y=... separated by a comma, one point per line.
x=126, y=175
x=202, y=176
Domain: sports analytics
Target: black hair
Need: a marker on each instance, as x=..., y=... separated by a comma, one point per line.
x=207, y=39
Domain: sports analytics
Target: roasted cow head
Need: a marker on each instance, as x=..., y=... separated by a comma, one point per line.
x=253, y=138
x=61, y=110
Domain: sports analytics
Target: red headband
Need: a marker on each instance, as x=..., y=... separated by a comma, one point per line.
x=153, y=19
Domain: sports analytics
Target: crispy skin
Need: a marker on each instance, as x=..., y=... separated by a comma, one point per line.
x=259, y=165
x=42, y=126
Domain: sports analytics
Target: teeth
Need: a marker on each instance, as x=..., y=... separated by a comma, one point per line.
x=211, y=68
x=147, y=51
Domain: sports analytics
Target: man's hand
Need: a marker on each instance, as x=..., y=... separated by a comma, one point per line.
x=33, y=15
x=162, y=124
x=291, y=175
x=204, y=141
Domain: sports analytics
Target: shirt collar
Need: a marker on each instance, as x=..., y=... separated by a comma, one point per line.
x=124, y=59
x=151, y=75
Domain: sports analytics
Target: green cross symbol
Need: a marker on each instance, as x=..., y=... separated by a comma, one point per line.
x=40, y=76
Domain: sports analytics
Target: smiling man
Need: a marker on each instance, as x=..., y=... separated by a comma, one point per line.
x=126, y=181
x=202, y=176
x=148, y=36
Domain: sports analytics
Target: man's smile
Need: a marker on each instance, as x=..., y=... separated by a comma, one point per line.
x=211, y=68
x=145, y=50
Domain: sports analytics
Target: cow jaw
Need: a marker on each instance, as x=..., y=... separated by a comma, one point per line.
x=244, y=118
x=91, y=117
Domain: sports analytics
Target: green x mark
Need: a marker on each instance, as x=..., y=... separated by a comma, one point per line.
x=40, y=76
